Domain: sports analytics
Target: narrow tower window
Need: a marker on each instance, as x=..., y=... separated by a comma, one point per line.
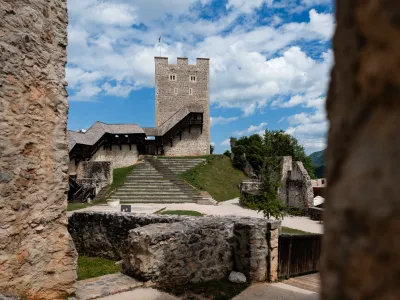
x=172, y=77
x=190, y=91
x=192, y=78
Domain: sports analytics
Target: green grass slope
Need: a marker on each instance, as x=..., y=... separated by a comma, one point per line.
x=217, y=176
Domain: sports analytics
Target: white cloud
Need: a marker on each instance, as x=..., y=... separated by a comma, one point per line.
x=222, y=120
x=247, y=6
x=321, y=23
x=310, y=128
x=226, y=142
x=259, y=129
x=103, y=42
x=212, y=144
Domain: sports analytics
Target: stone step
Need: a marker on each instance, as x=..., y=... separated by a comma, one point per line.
x=146, y=180
x=154, y=201
x=149, y=184
x=143, y=176
x=146, y=193
x=149, y=197
x=149, y=188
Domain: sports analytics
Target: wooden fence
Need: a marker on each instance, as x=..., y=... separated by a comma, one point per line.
x=298, y=254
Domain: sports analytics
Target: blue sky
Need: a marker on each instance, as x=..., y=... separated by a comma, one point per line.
x=269, y=62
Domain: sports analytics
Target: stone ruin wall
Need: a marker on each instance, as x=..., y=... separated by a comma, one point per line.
x=103, y=234
x=174, y=249
x=296, y=190
x=37, y=255
x=168, y=103
x=299, y=187
x=94, y=174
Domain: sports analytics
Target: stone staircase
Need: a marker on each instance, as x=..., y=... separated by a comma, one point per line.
x=152, y=181
x=180, y=165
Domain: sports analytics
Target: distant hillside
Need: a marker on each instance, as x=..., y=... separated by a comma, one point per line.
x=318, y=158
x=319, y=161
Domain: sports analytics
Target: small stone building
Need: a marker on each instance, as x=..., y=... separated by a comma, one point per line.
x=182, y=121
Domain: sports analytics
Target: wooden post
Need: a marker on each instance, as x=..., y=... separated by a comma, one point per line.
x=289, y=259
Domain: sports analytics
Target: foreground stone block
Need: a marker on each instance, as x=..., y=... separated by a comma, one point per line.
x=181, y=252
x=198, y=250
x=103, y=234
x=37, y=256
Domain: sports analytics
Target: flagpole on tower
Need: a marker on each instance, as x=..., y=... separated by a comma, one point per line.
x=159, y=42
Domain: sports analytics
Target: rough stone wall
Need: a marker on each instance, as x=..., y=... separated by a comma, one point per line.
x=168, y=103
x=193, y=143
x=103, y=234
x=286, y=168
x=361, y=244
x=186, y=249
x=119, y=158
x=201, y=250
x=178, y=253
x=299, y=187
x=37, y=256
x=99, y=170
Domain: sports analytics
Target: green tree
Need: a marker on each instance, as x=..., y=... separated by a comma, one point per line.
x=227, y=153
x=267, y=200
x=211, y=149
x=274, y=143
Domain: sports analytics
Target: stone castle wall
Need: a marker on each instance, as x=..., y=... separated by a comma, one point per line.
x=168, y=102
x=119, y=158
x=175, y=249
x=191, y=144
x=37, y=255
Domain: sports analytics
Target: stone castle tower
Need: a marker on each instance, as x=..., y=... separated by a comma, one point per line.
x=178, y=87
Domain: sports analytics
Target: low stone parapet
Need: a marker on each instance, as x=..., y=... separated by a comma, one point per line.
x=201, y=250
x=173, y=250
x=103, y=234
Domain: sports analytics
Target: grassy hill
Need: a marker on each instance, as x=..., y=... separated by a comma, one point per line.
x=319, y=161
x=217, y=176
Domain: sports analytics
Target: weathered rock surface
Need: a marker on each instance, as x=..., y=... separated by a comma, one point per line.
x=182, y=252
x=37, y=256
x=237, y=277
x=202, y=249
x=361, y=257
x=103, y=234
x=178, y=249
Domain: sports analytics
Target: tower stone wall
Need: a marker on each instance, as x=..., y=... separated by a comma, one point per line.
x=180, y=91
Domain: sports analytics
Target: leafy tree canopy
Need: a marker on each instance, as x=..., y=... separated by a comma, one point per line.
x=275, y=143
